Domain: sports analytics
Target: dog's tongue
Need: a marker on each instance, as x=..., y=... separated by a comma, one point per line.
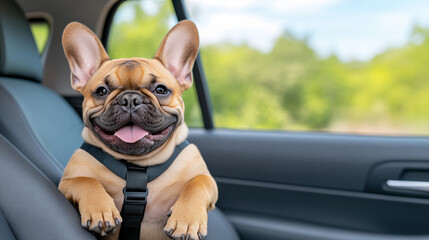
x=131, y=133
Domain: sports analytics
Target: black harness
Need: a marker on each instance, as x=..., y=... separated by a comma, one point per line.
x=135, y=190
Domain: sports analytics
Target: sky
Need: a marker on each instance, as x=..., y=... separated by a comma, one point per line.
x=350, y=29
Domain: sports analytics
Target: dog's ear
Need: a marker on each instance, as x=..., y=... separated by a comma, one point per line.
x=84, y=52
x=178, y=51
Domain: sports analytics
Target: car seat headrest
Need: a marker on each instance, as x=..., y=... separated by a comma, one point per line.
x=18, y=52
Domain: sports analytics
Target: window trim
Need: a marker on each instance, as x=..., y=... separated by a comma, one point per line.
x=108, y=22
x=199, y=75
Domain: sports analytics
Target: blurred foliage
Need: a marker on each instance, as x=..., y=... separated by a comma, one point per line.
x=291, y=87
x=40, y=32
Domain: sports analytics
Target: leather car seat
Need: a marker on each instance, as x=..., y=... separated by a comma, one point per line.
x=31, y=205
x=38, y=121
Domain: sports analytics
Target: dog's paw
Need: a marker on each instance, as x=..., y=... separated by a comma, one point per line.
x=99, y=215
x=187, y=223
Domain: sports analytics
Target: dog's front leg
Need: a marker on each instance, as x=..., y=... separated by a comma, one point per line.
x=97, y=208
x=188, y=218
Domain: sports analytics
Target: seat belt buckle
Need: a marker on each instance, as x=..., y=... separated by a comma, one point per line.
x=135, y=197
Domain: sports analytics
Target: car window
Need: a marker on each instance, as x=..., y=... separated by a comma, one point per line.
x=336, y=66
x=137, y=30
x=40, y=29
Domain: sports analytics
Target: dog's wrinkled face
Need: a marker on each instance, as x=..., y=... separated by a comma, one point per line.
x=132, y=105
x=135, y=107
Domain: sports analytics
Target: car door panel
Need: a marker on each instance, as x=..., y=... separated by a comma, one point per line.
x=261, y=227
x=315, y=185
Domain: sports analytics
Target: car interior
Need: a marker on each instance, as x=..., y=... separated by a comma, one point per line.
x=272, y=184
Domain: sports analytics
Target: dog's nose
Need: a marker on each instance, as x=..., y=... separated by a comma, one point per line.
x=132, y=101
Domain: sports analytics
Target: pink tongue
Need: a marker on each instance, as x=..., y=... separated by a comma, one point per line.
x=131, y=134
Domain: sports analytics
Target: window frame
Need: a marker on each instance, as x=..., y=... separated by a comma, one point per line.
x=199, y=75
x=201, y=86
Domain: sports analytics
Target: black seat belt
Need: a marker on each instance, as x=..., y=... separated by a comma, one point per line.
x=135, y=199
x=135, y=190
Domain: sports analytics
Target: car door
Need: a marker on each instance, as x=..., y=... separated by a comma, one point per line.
x=279, y=185
x=370, y=183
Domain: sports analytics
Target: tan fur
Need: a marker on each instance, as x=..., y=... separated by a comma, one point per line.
x=186, y=187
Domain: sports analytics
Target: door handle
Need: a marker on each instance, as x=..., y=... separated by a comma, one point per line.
x=409, y=185
x=405, y=178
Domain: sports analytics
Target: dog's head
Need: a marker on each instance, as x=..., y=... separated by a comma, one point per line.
x=132, y=105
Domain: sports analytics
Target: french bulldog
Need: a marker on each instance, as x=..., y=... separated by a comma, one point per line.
x=133, y=110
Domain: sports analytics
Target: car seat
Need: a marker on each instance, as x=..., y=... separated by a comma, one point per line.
x=31, y=207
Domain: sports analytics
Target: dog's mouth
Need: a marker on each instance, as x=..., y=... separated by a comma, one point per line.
x=131, y=133
x=134, y=134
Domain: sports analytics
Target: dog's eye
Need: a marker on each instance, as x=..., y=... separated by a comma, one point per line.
x=161, y=90
x=101, y=91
